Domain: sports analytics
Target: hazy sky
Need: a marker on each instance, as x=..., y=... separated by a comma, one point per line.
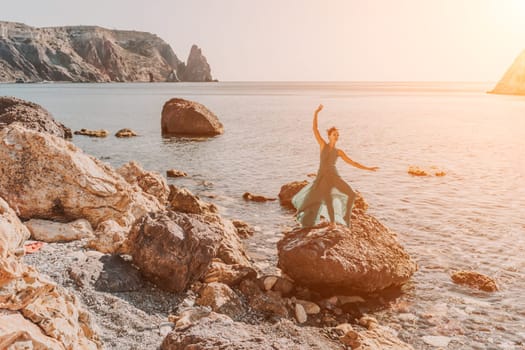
x=348, y=40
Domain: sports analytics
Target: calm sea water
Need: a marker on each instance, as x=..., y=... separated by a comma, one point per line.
x=472, y=218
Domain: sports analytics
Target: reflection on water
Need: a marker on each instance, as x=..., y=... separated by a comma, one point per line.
x=472, y=218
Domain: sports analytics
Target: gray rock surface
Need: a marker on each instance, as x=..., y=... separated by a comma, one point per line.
x=183, y=117
x=92, y=54
x=31, y=116
x=172, y=249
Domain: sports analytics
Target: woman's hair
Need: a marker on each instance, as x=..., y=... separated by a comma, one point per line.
x=331, y=130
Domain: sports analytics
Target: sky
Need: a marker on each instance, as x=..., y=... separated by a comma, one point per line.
x=313, y=40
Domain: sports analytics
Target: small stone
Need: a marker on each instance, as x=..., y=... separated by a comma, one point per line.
x=311, y=308
x=165, y=328
x=256, y=198
x=407, y=317
x=345, y=327
x=368, y=322
x=92, y=133
x=437, y=340
x=351, y=338
x=475, y=279
x=269, y=282
x=300, y=313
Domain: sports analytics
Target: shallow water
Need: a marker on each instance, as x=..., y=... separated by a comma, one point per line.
x=472, y=218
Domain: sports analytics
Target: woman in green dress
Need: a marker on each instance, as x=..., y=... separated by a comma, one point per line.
x=328, y=192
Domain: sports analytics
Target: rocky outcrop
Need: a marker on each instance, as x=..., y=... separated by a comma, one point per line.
x=125, y=133
x=50, y=231
x=35, y=312
x=365, y=258
x=46, y=177
x=202, y=329
x=475, y=280
x=172, y=249
x=92, y=54
x=288, y=191
x=92, y=133
x=183, y=117
x=513, y=81
x=31, y=116
x=197, y=67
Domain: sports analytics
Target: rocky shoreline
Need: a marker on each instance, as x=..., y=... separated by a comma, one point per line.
x=155, y=266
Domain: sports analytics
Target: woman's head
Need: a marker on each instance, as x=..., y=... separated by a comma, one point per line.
x=333, y=134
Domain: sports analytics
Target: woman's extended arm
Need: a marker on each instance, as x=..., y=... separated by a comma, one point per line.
x=317, y=135
x=354, y=163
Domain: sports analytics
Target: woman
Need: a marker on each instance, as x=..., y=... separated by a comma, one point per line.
x=328, y=191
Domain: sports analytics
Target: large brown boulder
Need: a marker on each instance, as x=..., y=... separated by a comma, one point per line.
x=365, y=258
x=34, y=310
x=173, y=249
x=31, y=116
x=46, y=177
x=183, y=117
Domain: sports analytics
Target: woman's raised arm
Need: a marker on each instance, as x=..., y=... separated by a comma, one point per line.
x=316, y=129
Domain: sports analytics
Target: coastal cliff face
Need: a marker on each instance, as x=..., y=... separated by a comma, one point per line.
x=92, y=54
x=513, y=82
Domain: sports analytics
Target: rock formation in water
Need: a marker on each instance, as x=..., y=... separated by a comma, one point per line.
x=513, y=82
x=92, y=54
x=183, y=117
x=31, y=116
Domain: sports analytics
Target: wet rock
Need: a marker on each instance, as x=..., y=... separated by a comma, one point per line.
x=125, y=133
x=416, y=171
x=243, y=229
x=24, y=292
x=173, y=249
x=247, y=196
x=476, y=280
x=231, y=274
x=175, y=173
x=150, y=182
x=220, y=298
x=31, y=116
x=92, y=133
x=106, y=273
x=50, y=231
x=366, y=258
x=288, y=191
x=216, y=331
x=183, y=117
x=46, y=177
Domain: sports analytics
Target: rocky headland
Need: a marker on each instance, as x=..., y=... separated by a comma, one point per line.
x=513, y=81
x=93, y=54
x=132, y=262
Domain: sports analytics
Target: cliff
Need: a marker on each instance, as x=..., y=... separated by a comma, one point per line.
x=513, y=82
x=92, y=54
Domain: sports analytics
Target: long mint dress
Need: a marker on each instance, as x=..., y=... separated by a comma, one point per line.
x=327, y=193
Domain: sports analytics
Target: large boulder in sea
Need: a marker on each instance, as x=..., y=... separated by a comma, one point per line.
x=513, y=81
x=31, y=116
x=183, y=117
x=34, y=311
x=173, y=249
x=363, y=259
x=46, y=177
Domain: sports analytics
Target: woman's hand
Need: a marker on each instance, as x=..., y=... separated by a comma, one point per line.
x=319, y=109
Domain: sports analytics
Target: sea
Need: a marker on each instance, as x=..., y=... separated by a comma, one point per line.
x=473, y=218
